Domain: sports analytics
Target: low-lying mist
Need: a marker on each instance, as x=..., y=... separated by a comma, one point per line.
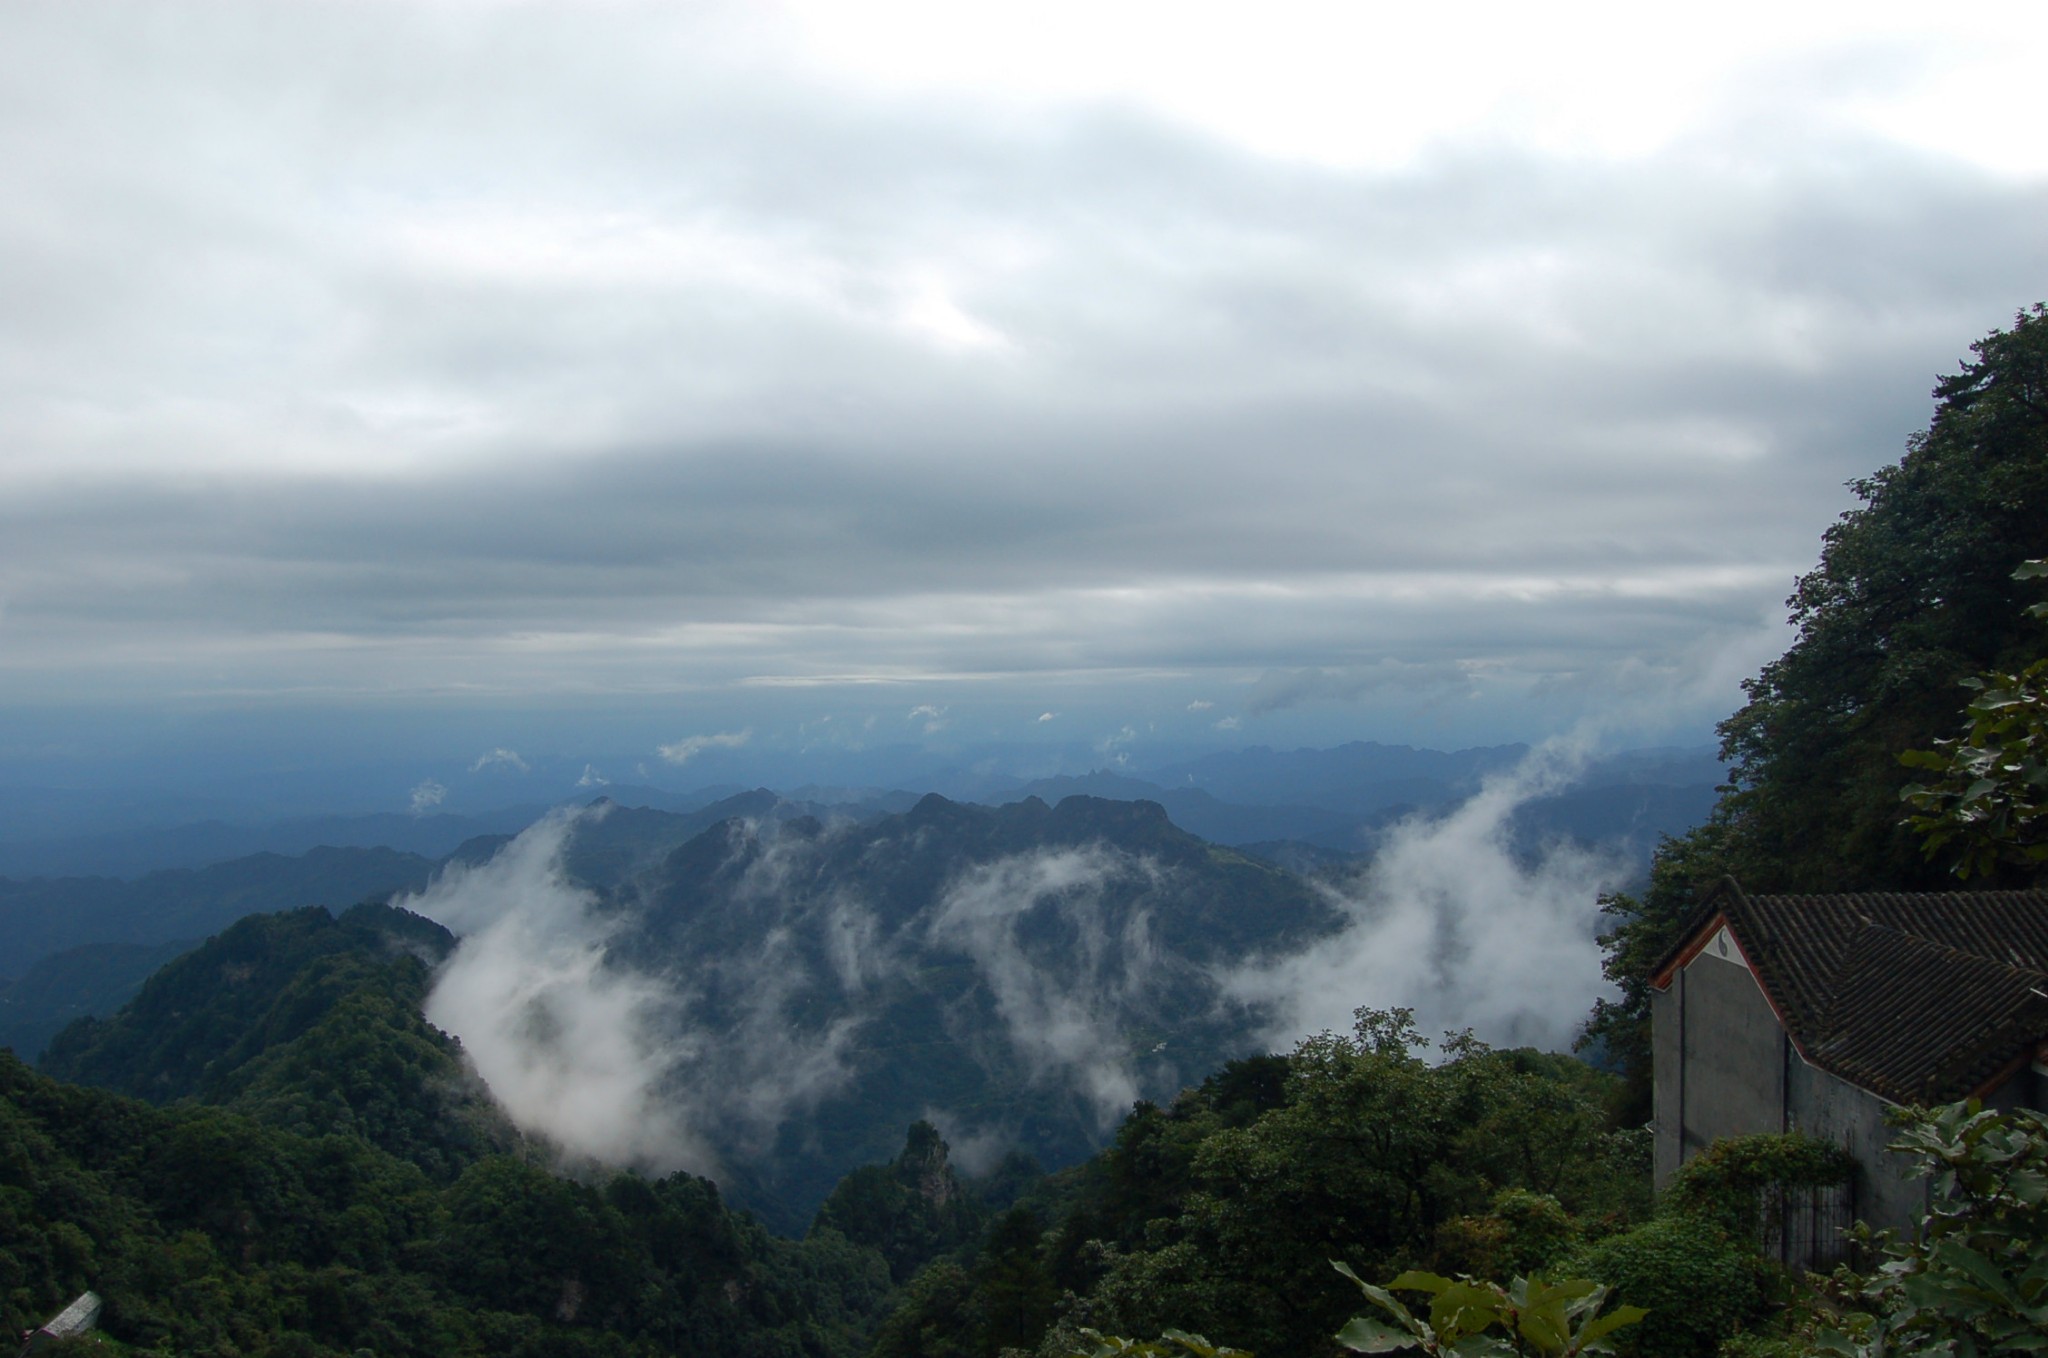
x=574, y=1049
x=797, y=991
x=605, y=1059
x=1451, y=920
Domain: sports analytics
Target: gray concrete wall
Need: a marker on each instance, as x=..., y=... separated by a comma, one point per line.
x=1824, y=1106
x=1734, y=1057
x=1719, y=1057
x=1724, y=1067
x=1835, y=1110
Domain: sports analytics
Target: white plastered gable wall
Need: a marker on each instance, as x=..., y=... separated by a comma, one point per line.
x=1723, y=946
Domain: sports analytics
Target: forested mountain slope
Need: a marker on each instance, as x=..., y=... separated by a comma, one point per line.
x=330, y=1175
x=308, y=1021
x=1916, y=592
x=208, y=1231
x=805, y=990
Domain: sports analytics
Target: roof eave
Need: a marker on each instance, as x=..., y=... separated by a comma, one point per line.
x=1707, y=916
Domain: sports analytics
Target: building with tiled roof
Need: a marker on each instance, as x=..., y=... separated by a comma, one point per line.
x=1818, y=1013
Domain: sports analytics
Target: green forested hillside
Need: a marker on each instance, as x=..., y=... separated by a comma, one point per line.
x=1914, y=594
x=329, y=1176
x=308, y=1021
x=1221, y=1211
x=210, y=1232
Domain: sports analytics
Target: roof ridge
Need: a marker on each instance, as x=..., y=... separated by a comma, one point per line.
x=1913, y=995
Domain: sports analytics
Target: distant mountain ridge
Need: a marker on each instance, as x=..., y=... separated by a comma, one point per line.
x=1337, y=804
x=47, y=915
x=1344, y=799
x=78, y=946
x=1018, y=974
x=1321, y=796
x=92, y=979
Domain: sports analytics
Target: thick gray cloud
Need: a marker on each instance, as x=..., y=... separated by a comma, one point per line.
x=560, y=352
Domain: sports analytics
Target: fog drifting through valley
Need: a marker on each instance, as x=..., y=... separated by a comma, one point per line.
x=1448, y=921
x=672, y=1071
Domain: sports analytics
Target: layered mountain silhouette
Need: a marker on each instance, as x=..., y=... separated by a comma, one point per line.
x=824, y=971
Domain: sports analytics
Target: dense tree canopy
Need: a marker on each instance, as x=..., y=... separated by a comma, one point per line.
x=1987, y=806
x=211, y=1232
x=1915, y=593
x=1219, y=1213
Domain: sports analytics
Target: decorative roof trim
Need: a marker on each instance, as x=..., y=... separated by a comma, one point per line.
x=1695, y=944
x=1705, y=916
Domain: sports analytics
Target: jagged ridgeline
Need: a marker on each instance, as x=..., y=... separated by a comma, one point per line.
x=797, y=992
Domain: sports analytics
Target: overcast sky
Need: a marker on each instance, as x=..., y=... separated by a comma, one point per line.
x=1291, y=373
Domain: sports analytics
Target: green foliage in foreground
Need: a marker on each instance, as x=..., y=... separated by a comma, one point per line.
x=1474, y=1319
x=1698, y=1284
x=1208, y=1214
x=1695, y=1267
x=1172, y=1344
x=210, y=1232
x=1976, y=1281
x=1734, y=1183
x=1990, y=799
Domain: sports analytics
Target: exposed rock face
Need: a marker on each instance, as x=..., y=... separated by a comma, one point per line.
x=912, y=1209
x=923, y=1168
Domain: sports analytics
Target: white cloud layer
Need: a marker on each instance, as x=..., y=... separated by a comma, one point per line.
x=1068, y=1021
x=1450, y=921
x=554, y=353
x=689, y=747
x=606, y=1060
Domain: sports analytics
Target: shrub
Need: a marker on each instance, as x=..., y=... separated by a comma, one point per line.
x=1698, y=1286
x=1523, y=1233
x=1734, y=1181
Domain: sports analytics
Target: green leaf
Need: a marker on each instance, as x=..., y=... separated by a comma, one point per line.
x=1365, y=1335
x=1601, y=1326
x=1464, y=1308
